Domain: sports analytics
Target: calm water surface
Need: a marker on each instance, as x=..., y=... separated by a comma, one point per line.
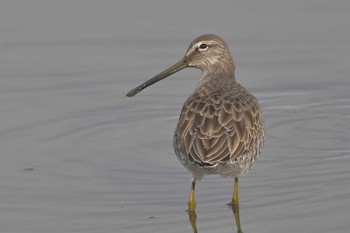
x=78, y=156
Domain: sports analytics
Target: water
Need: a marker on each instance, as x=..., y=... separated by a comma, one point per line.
x=78, y=156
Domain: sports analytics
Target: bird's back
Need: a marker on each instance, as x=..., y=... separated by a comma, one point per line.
x=220, y=125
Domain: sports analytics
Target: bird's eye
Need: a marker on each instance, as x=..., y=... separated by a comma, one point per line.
x=203, y=46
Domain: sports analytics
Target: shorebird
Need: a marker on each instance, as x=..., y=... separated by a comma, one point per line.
x=221, y=129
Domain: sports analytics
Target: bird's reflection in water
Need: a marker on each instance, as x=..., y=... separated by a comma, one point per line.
x=235, y=210
x=192, y=216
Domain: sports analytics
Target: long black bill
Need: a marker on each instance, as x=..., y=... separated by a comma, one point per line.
x=183, y=63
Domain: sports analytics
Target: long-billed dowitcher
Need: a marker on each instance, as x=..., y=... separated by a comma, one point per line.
x=220, y=129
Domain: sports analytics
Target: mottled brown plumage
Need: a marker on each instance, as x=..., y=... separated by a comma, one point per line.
x=220, y=129
x=218, y=126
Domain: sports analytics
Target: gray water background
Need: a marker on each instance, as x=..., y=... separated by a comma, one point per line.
x=76, y=155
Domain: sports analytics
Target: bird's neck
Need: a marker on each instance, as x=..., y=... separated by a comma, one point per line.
x=218, y=66
x=217, y=72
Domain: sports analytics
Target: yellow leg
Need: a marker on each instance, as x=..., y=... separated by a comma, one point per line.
x=235, y=193
x=191, y=200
